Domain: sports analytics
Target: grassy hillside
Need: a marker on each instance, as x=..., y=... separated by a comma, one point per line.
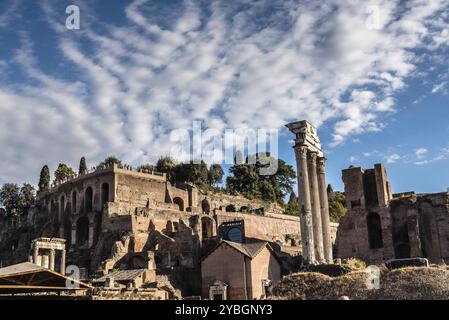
x=407, y=283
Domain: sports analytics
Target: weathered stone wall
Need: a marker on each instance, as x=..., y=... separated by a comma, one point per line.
x=410, y=226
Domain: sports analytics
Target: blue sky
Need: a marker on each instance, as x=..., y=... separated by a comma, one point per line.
x=373, y=76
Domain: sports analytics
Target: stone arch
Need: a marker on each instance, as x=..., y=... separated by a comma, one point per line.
x=88, y=200
x=82, y=232
x=104, y=194
x=230, y=208
x=244, y=209
x=74, y=201
x=207, y=227
x=179, y=202
x=205, y=206
x=374, y=231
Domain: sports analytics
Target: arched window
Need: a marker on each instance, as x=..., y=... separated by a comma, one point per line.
x=230, y=208
x=74, y=196
x=82, y=232
x=178, y=201
x=205, y=206
x=88, y=199
x=104, y=194
x=374, y=231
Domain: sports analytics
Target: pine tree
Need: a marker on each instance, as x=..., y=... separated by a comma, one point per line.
x=83, y=166
x=44, y=180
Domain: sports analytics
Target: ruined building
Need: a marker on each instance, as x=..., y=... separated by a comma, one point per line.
x=114, y=218
x=380, y=225
x=315, y=224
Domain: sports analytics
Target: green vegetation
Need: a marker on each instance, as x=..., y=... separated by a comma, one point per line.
x=246, y=179
x=16, y=201
x=110, y=161
x=83, y=166
x=337, y=204
x=63, y=172
x=44, y=180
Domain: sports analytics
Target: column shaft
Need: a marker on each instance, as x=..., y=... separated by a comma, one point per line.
x=35, y=253
x=62, y=262
x=52, y=259
x=316, y=208
x=306, y=211
x=324, y=203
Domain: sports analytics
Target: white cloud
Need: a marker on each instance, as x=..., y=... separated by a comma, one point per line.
x=260, y=67
x=439, y=87
x=9, y=13
x=421, y=152
x=392, y=158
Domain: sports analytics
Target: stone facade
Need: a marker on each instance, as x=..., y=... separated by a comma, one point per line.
x=380, y=226
x=113, y=216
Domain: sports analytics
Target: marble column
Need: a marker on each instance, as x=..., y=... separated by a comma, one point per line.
x=316, y=207
x=52, y=259
x=324, y=203
x=62, y=271
x=308, y=252
x=35, y=254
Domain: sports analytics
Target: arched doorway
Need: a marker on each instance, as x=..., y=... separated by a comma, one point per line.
x=179, y=202
x=207, y=228
x=374, y=231
x=205, y=206
x=230, y=208
x=82, y=232
x=88, y=200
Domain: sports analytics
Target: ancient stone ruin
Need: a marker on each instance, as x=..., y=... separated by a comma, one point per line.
x=380, y=225
x=315, y=224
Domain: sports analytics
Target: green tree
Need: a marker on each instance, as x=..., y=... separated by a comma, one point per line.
x=196, y=173
x=247, y=179
x=215, y=174
x=337, y=204
x=63, y=172
x=109, y=161
x=26, y=198
x=166, y=165
x=44, y=179
x=83, y=166
x=9, y=199
x=293, y=207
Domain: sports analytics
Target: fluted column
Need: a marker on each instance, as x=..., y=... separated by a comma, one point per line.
x=316, y=207
x=327, y=240
x=304, y=198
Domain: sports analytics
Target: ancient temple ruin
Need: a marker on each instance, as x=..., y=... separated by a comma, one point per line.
x=380, y=225
x=315, y=223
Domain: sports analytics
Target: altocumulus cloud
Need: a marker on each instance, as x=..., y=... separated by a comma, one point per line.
x=229, y=63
